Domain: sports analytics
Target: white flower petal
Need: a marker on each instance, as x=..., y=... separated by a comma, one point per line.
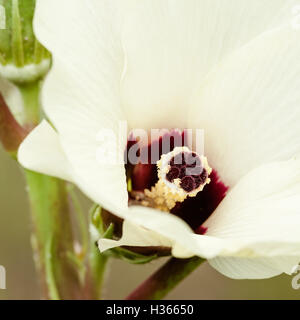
x=264, y=204
x=135, y=235
x=260, y=216
x=171, y=45
x=166, y=225
x=183, y=241
x=254, y=268
x=81, y=95
x=249, y=107
x=41, y=151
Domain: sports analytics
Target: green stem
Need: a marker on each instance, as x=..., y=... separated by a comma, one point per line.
x=31, y=98
x=53, y=238
x=97, y=262
x=81, y=219
x=158, y=285
x=96, y=271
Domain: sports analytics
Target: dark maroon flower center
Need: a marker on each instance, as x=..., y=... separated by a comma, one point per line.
x=189, y=169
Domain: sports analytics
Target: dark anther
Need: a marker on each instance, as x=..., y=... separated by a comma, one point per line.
x=173, y=173
x=198, y=182
x=188, y=168
x=203, y=175
x=187, y=184
x=182, y=172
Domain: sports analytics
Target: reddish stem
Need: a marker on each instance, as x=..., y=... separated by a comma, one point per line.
x=165, y=279
x=11, y=132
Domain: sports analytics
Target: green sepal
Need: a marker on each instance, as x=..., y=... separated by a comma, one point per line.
x=131, y=257
x=119, y=252
x=109, y=232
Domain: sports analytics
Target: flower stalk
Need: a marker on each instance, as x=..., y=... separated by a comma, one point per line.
x=158, y=285
x=30, y=93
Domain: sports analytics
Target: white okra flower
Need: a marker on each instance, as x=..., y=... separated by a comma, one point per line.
x=231, y=68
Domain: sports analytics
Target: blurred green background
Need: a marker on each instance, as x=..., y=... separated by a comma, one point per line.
x=16, y=257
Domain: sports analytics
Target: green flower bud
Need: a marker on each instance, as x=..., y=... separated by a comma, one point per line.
x=23, y=59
